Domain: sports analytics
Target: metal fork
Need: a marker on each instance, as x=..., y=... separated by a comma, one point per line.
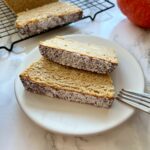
x=137, y=100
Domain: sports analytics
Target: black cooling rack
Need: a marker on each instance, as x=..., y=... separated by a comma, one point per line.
x=91, y=8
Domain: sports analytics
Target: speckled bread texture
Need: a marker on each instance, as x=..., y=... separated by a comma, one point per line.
x=78, y=55
x=48, y=78
x=40, y=19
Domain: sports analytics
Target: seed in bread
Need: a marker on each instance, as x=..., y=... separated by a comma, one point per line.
x=42, y=18
x=48, y=78
x=79, y=55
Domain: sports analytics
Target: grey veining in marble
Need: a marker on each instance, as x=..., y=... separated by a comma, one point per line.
x=18, y=132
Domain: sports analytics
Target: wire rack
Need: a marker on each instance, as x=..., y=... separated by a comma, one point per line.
x=8, y=32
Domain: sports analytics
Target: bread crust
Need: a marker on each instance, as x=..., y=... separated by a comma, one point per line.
x=37, y=26
x=77, y=60
x=44, y=89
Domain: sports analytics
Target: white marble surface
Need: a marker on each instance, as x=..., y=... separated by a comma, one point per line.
x=18, y=132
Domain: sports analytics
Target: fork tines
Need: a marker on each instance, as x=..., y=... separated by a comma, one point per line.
x=138, y=100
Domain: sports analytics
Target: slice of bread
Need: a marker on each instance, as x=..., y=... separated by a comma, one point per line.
x=48, y=78
x=83, y=56
x=40, y=19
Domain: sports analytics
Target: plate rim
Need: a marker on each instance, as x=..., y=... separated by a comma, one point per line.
x=78, y=134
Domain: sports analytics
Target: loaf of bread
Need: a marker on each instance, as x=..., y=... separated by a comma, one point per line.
x=23, y=5
x=48, y=78
x=79, y=55
x=42, y=18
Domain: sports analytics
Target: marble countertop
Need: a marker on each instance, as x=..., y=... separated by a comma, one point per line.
x=18, y=132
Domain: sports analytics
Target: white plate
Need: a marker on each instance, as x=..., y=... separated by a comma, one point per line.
x=79, y=119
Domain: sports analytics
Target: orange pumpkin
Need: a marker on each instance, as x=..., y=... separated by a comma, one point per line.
x=137, y=11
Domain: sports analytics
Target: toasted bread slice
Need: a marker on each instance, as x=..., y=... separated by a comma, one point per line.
x=48, y=78
x=42, y=18
x=79, y=55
